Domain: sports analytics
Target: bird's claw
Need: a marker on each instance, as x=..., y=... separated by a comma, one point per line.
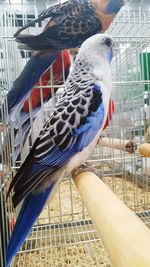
x=86, y=167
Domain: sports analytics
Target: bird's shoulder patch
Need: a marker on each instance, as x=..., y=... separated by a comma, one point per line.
x=95, y=112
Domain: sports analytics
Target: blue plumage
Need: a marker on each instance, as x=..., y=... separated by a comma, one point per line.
x=28, y=214
x=114, y=6
x=67, y=138
x=109, y=56
x=70, y=24
x=29, y=76
x=68, y=28
x=88, y=131
x=56, y=158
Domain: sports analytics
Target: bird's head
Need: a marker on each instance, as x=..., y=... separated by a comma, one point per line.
x=106, y=11
x=99, y=45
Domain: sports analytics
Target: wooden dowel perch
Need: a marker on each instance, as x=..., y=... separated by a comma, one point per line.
x=124, y=145
x=144, y=150
x=125, y=238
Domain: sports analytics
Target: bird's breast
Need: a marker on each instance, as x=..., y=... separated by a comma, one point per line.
x=81, y=157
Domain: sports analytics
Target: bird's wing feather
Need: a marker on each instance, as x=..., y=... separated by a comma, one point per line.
x=61, y=138
x=52, y=11
x=68, y=27
x=28, y=214
x=26, y=81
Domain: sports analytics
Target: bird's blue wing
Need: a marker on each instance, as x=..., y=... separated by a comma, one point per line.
x=33, y=203
x=80, y=139
x=61, y=138
x=30, y=210
x=47, y=156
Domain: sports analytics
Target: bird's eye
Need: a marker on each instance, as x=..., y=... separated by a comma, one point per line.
x=108, y=42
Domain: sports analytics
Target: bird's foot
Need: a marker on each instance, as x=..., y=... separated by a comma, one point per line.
x=86, y=167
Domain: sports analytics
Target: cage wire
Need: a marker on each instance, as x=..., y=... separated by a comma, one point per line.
x=64, y=235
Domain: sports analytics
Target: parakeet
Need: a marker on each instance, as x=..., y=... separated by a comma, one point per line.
x=70, y=24
x=67, y=138
x=60, y=71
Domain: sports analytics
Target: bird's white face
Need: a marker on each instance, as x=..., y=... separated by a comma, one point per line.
x=100, y=45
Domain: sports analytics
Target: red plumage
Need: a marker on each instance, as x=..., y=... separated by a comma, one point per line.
x=62, y=62
x=111, y=109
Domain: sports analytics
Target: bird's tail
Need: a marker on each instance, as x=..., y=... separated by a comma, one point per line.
x=30, y=42
x=21, y=131
x=31, y=23
x=39, y=42
x=30, y=210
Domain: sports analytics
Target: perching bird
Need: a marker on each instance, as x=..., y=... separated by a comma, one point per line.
x=70, y=24
x=59, y=73
x=67, y=138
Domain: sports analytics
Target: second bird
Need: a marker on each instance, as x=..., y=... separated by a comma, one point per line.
x=69, y=25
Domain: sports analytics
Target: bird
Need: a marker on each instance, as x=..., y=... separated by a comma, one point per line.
x=69, y=25
x=67, y=137
x=59, y=72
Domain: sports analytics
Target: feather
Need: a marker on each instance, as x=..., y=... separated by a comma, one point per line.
x=70, y=24
x=60, y=68
x=68, y=27
x=28, y=214
x=26, y=81
x=69, y=135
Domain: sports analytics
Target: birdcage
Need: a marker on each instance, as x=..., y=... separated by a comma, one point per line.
x=64, y=234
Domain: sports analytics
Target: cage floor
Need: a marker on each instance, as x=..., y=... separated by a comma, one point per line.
x=64, y=244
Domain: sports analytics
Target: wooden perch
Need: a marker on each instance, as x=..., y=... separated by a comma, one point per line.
x=125, y=237
x=144, y=150
x=124, y=145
